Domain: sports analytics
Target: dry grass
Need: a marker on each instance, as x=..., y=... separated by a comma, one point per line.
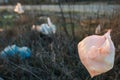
x=57, y=60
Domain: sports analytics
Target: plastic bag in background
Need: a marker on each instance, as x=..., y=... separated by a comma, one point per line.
x=9, y=51
x=22, y=52
x=18, y=8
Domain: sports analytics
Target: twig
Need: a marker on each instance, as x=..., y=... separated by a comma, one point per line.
x=25, y=70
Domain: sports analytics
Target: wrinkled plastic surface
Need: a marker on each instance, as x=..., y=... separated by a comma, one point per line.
x=10, y=51
x=22, y=52
x=97, y=53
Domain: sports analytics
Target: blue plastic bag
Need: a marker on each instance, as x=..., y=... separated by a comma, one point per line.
x=22, y=52
x=9, y=51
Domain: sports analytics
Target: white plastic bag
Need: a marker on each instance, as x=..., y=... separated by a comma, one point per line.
x=18, y=9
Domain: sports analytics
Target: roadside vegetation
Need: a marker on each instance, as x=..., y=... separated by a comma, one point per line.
x=58, y=60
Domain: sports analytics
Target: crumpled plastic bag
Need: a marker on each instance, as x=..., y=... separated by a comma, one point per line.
x=22, y=52
x=46, y=28
x=97, y=53
x=18, y=9
x=9, y=51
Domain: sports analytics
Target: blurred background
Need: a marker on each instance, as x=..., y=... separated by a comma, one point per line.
x=56, y=58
